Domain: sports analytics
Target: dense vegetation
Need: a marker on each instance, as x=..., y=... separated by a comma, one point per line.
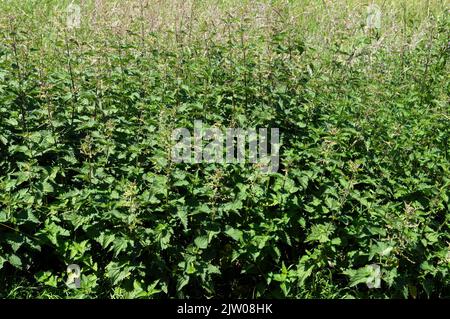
x=86, y=117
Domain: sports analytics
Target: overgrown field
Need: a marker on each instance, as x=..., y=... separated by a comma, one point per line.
x=86, y=177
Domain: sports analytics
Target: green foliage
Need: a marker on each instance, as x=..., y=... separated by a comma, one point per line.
x=86, y=176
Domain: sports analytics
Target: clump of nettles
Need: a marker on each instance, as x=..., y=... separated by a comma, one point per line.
x=358, y=207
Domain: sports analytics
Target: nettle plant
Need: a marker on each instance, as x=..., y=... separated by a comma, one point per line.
x=358, y=206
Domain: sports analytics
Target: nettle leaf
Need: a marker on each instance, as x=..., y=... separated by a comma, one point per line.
x=77, y=219
x=28, y=217
x=389, y=276
x=11, y=121
x=320, y=233
x=234, y=233
x=381, y=249
x=121, y=244
x=289, y=186
x=234, y=207
x=336, y=241
x=183, y=216
x=163, y=234
x=47, y=278
x=105, y=239
x=432, y=237
x=118, y=271
x=212, y=269
x=53, y=232
x=304, y=270
x=15, y=261
x=3, y=217
x=47, y=187
x=201, y=242
x=182, y=282
x=15, y=240
x=369, y=275
x=78, y=250
x=332, y=204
